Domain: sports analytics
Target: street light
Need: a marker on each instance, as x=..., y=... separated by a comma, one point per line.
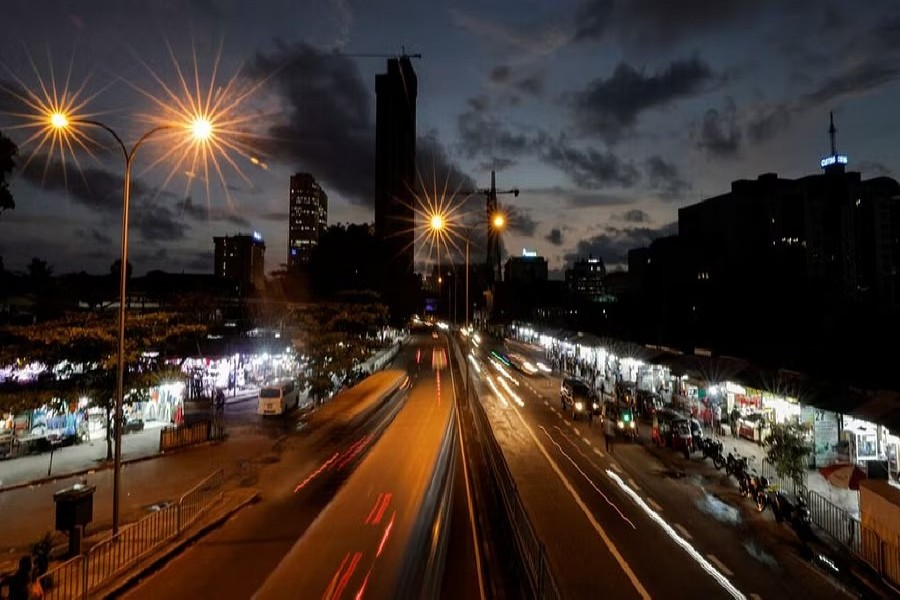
x=201, y=131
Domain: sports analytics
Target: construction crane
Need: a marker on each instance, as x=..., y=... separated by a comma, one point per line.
x=496, y=222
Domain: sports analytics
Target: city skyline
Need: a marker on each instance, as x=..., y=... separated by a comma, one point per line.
x=607, y=118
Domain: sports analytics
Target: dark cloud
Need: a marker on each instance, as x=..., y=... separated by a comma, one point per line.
x=500, y=74
x=592, y=19
x=206, y=213
x=854, y=80
x=327, y=125
x=101, y=191
x=634, y=215
x=95, y=236
x=521, y=221
x=719, y=134
x=613, y=244
x=871, y=168
x=555, y=236
x=531, y=84
x=664, y=176
x=588, y=167
x=662, y=23
x=768, y=122
x=275, y=215
x=610, y=107
x=497, y=164
x=481, y=134
x=432, y=161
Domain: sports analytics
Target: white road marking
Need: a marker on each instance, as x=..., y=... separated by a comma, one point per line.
x=623, y=564
x=634, y=485
x=653, y=503
x=755, y=597
x=719, y=564
x=681, y=529
x=586, y=441
x=617, y=468
x=546, y=403
x=598, y=453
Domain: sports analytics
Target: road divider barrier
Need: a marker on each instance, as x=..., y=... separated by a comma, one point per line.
x=532, y=558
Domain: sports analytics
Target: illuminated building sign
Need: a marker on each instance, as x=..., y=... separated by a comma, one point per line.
x=529, y=253
x=257, y=236
x=839, y=159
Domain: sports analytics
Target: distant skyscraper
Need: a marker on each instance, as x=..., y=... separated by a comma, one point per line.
x=586, y=276
x=307, y=220
x=241, y=258
x=395, y=160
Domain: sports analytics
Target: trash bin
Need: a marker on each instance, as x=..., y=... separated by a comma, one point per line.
x=74, y=506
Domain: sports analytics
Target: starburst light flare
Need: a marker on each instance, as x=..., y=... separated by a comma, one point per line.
x=207, y=126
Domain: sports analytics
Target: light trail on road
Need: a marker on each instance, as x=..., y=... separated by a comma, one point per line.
x=588, y=479
x=692, y=552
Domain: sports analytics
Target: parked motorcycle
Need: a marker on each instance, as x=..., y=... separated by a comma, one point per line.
x=756, y=486
x=795, y=512
x=735, y=464
x=712, y=449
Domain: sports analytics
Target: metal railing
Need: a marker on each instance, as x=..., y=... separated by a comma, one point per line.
x=65, y=582
x=833, y=520
x=792, y=487
x=83, y=574
x=532, y=556
x=187, y=435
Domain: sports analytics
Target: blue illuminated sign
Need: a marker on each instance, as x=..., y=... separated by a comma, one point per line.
x=839, y=159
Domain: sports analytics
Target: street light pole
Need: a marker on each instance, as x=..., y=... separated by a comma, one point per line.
x=123, y=279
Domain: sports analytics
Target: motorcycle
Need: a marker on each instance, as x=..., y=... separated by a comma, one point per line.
x=796, y=513
x=712, y=449
x=756, y=487
x=735, y=464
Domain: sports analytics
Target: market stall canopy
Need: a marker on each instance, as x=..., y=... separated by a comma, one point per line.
x=844, y=476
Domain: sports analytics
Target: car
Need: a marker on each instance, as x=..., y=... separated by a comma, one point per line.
x=576, y=395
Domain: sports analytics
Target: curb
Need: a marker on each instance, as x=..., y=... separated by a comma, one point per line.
x=129, y=580
x=102, y=466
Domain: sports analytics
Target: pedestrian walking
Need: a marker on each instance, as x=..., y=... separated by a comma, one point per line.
x=609, y=432
x=717, y=419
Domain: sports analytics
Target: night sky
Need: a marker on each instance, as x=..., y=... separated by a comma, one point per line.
x=608, y=115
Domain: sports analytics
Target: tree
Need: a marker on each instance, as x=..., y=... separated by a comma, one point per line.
x=335, y=337
x=8, y=151
x=83, y=349
x=787, y=448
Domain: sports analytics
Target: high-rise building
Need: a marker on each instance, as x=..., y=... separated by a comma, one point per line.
x=526, y=269
x=307, y=220
x=586, y=276
x=241, y=258
x=395, y=161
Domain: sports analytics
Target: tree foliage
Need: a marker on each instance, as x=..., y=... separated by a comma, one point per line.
x=787, y=449
x=82, y=350
x=335, y=337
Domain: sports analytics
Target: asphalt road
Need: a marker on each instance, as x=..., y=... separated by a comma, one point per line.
x=372, y=539
x=317, y=458
x=624, y=524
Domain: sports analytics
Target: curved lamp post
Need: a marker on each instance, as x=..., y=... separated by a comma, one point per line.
x=201, y=130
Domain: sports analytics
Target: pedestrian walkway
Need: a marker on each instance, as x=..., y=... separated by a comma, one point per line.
x=88, y=456
x=29, y=511
x=847, y=500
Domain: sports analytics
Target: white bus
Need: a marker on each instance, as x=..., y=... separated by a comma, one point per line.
x=278, y=398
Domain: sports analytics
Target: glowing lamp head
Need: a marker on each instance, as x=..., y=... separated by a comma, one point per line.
x=498, y=221
x=201, y=129
x=437, y=222
x=59, y=120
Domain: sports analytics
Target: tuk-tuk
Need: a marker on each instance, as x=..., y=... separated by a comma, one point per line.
x=674, y=431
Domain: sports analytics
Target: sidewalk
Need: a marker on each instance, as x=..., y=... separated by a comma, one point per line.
x=88, y=456
x=847, y=500
x=29, y=512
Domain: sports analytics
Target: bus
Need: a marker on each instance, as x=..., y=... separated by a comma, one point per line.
x=278, y=398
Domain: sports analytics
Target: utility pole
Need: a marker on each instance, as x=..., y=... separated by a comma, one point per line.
x=492, y=259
